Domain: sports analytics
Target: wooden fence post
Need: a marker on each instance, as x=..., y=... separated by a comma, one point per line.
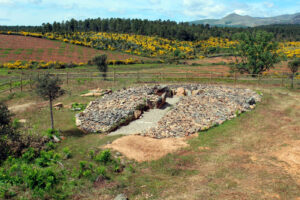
x=114, y=75
x=10, y=86
x=138, y=76
x=67, y=78
x=30, y=82
x=234, y=78
x=210, y=77
x=21, y=82
x=282, y=78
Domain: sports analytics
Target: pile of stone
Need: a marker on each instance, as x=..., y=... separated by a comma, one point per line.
x=202, y=107
x=115, y=109
x=97, y=93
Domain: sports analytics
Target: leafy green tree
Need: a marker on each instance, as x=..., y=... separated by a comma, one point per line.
x=294, y=66
x=48, y=87
x=256, y=52
x=101, y=62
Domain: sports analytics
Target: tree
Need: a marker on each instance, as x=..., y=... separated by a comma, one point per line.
x=48, y=88
x=101, y=62
x=294, y=66
x=7, y=132
x=255, y=52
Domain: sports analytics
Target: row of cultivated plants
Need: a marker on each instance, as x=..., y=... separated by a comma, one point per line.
x=33, y=168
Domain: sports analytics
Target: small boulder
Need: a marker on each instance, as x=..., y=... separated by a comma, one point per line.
x=121, y=197
x=137, y=114
x=188, y=93
x=98, y=90
x=58, y=105
x=195, y=92
x=55, y=139
x=68, y=106
x=91, y=94
x=180, y=91
x=23, y=121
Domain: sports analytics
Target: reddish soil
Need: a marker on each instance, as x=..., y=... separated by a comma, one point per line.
x=14, y=47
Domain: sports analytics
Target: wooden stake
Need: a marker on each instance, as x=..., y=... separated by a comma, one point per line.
x=10, y=86
x=21, y=81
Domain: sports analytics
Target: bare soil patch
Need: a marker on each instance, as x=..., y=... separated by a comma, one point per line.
x=143, y=149
x=21, y=108
x=26, y=106
x=290, y=155
x=15, y=47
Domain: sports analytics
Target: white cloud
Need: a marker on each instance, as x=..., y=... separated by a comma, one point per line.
x=35, y=12
x=240, y=12
x=204, y=8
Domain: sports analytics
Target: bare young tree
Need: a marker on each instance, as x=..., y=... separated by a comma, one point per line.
x=48, y=87
x=294, y=66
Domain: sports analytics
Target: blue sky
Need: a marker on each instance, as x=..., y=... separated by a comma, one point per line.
x=35, y=12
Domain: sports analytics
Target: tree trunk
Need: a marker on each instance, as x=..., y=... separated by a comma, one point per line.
x=51, y=114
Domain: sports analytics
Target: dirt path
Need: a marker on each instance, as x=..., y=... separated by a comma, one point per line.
x=143, y=149
x=19, y=108
x=148, y=120
x=22, y=107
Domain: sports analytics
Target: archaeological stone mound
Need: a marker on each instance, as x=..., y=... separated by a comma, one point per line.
x=200, y=107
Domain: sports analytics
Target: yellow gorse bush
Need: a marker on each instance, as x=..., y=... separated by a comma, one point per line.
x=150, y=45
x=32, y=64
x=38, y=65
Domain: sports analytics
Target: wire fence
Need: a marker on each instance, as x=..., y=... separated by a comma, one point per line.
x=13, y=83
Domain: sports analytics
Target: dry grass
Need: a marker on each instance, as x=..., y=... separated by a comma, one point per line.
x=245, y=158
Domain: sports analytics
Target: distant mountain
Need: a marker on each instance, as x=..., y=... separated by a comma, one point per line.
x=235, y=20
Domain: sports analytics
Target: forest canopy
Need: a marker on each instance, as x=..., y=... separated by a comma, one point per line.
x=166, y=29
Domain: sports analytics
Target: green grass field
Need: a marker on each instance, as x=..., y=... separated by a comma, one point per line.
x=236, y=159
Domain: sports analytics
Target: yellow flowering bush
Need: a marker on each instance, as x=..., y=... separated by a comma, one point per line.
x=152, y=46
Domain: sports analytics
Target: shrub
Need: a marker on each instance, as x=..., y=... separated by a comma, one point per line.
x=29, y=155
x=92, y=154
x=67, y=153
x=7, y=132
x=40, y=179
x=47, y=158
x=103, y=157
x=101, y=171
x=78, y=106
x=101, y=62
x=85, y=169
